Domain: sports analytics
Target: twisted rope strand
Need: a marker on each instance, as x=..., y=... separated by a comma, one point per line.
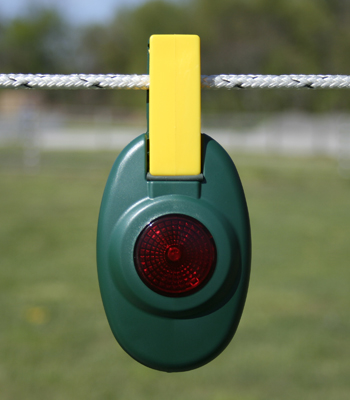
x=141, y=82
x=75, y=81
x=276, y=81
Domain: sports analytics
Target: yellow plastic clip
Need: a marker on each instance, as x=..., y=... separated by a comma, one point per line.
x=174, y=105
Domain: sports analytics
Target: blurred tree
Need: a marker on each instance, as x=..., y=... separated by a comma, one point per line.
x=237, y=36
x=154, y=17
x=102, y=49
x=34, y=43
x=122, y=46
x=275, y=37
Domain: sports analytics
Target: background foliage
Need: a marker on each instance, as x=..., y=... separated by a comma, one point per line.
x=237, y=36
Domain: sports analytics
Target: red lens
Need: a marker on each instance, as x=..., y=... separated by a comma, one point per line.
x=175, y=255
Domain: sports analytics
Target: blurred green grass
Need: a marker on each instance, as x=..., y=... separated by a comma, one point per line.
x=292, y=342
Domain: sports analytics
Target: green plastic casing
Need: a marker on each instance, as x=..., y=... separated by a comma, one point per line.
x=173, y=333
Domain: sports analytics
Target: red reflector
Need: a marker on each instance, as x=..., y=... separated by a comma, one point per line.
x=175, y=255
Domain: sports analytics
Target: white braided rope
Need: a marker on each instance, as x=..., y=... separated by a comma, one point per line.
x=75, y=81
x=82, y=81
x=276, y=81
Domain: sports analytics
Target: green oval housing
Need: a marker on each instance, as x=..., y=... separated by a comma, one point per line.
x=173, y=333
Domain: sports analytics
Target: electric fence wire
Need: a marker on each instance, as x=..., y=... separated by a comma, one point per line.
x=141, y=82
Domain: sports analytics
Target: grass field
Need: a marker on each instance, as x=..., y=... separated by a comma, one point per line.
x=293, y=340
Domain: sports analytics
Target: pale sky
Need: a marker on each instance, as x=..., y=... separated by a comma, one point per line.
x=76, y=11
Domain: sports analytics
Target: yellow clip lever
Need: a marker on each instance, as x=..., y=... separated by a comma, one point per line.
x=174, y=105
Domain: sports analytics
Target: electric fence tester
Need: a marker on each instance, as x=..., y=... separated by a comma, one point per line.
x=173, y=242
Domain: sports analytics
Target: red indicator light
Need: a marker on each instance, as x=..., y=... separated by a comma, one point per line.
x=175, y=255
